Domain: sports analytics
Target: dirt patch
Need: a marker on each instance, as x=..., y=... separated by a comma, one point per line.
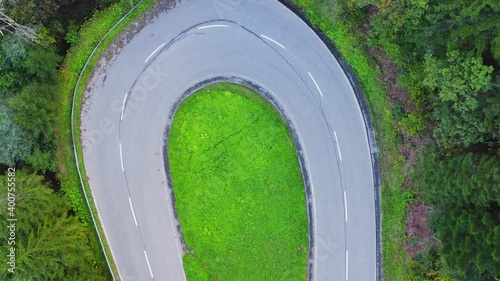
x=419, y=233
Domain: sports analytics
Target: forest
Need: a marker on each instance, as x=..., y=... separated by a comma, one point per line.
x=440, y=62
x=436, y=65
x=54, y=240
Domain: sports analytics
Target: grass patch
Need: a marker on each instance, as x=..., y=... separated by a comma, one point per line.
x=238, y=187
x=91, y=33
x=394, y=200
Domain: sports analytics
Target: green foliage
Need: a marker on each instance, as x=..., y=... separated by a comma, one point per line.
x=27, y=74
x=35, y=111
x=28, y=81
x=51, y=244
x=444, y=42
x=492, y=116
x=239, y=192
x=458, y=79
x=398, y=28
x=15, y=144
x=460, y=82
x=72, y=35
x=40, y=65
x=495, y=48
x=398, y=112
x=319, y=12
x=409, y=29
x=465, y=190
x=41, y=161
x=13, y=50
x=472, y=23
x=31, y=11
x=413, y=124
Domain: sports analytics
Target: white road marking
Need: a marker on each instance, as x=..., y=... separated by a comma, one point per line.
x=346, y=265
x=345, y=205
x=272, y=40
x=121, y=157
x=123, y=106
x=149, y=266
x=133, y=212
x=154, y=52
x=317, y=87
x=338, y=146
x=213, y=25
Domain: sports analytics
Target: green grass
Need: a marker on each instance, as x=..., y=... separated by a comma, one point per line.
x=394, y=199
x=238, y=187
x=91, y=32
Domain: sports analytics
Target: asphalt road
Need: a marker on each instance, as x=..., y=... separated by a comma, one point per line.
x=127, y=109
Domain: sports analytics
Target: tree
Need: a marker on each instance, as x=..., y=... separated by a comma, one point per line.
x=468, y=25
x=32, y=12
x=457, y=42
x=400, y=29
x=28, y=79
x=51, y=244
x=409, y=29
x=492, y=116
x=15, y=144
x=460, y=82
x=35, y=110
x=9, y=25
x=22, y=65
x=465, y=191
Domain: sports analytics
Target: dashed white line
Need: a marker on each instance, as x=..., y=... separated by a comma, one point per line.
x=133, y=212
x=272, y=40
x=123, y=106
x=213, y=25
x=316, y=84
x=149, y=266
x=346, y=265
x=338, y=146
x=121, y=157
x=154, y=52
x=345, y=205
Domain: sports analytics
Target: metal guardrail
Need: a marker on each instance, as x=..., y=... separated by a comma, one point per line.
x=74, y=138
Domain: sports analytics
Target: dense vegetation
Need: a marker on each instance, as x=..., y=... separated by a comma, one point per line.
x=36, y=86
x=438, y=63
x=50, y=244
x=465, y=190
x=449, y=51
x=238, y=188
